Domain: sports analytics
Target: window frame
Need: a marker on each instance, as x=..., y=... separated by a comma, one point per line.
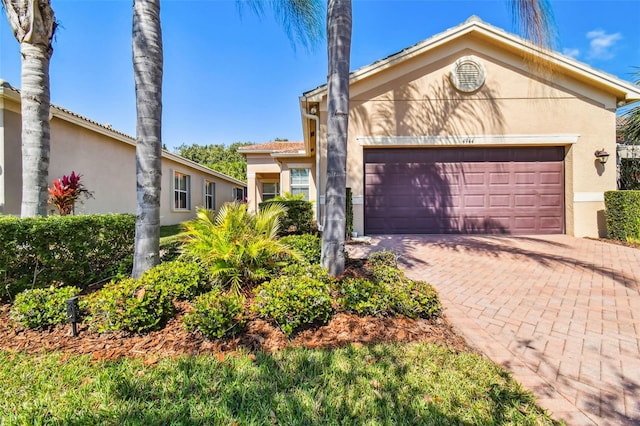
x=298, y=186
x=274, y=194
x=206, y=196
x=176, y=190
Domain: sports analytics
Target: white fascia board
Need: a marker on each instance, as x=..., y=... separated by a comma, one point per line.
x=468, y=140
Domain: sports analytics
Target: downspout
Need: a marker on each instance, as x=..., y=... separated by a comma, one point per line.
x=318, y=156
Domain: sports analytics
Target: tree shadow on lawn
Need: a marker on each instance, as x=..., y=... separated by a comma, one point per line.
x=296, y=390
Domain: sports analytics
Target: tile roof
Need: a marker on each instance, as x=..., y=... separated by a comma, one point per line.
x=275, y=146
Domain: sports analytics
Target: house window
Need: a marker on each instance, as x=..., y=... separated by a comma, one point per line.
x=300, y=182
x=181, y=191
x=270, y=190
x=238, y=194
x=209, y=195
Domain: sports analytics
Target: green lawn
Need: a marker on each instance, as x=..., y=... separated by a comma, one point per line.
x=408, y=384
x=170, y=230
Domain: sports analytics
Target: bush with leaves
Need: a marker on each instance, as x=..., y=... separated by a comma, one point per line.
x=293, y=301
x=314, y=271
x=178, y=279
x=415, y=299
x=237, y=247
x=216, y=314
x=298, y=218
x=128, y=305
x=42, y=307
x=364, y=297
x=383, y=258
x=308, y=245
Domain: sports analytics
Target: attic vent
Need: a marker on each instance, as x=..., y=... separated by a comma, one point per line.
x=467, y=74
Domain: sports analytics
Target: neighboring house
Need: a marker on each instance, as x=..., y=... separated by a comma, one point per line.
x=106, y=160
x=462, y=133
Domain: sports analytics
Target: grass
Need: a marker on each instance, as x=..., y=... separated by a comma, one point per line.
x=170, y=230
x=385, y=384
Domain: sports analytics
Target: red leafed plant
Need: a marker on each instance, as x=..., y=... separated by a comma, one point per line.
x=66, y=191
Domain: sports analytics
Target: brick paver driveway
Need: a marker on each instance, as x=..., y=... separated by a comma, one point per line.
x=561, y=313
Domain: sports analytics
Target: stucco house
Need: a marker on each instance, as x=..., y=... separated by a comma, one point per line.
x=461, y=133
x=106, y=160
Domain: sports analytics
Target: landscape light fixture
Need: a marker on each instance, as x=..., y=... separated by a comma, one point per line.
x=602, y=155
x=73, y=314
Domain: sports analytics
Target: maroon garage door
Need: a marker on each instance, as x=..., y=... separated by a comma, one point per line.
x=464, y=190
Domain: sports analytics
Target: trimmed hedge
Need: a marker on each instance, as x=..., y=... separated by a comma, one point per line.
x=623, y=214
x=299, y=216
x=74, y=250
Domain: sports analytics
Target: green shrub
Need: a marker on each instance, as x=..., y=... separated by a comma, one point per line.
x=308, y=245
x=293, y=301
x=383, y=258
x=73, y=250
x=128, y=305
x=389, y=292
x=299, y=216
x=622, y=213
x=178, y=279
x=314, y=271
x=216, y=315
x=364, y=297
x=42, y=307
x=387, y=274
x=415, y=299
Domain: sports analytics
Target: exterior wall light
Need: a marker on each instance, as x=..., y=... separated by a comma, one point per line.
x=602, y=155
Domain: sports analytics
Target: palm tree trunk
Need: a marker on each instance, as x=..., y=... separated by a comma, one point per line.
x=35, y=98
x=339, y=51
x=147, y=66
x=33, y=23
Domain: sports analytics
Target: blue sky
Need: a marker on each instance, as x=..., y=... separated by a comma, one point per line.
x=231, y=76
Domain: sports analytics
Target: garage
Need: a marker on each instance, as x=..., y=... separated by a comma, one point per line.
x=468, y=190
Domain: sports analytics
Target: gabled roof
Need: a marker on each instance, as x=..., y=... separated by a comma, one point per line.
x=274, y=148
x=624, y=90
x=8, y=91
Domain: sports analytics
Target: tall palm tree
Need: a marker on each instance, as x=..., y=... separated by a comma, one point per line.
x=534, y=17
x=339, y=52
x=301, y=19
x=34, y=24
x=147, y=70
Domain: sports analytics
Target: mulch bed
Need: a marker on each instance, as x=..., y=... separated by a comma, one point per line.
x=174, y=340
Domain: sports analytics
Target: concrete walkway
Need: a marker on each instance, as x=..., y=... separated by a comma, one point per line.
x=561, y=313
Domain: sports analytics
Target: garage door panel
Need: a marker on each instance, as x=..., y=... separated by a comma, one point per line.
x=468, y=190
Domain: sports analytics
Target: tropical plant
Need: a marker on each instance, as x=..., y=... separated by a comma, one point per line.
x=66, y=191
x=535, y=19
x=236, y=246
x=299, y=16
x=34, y=24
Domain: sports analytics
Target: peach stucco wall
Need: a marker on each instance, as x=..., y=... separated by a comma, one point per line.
x=263, y=168
x=107, y=166
x=416, y=98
